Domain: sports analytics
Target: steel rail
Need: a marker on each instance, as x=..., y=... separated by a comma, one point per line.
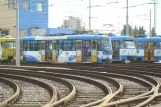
x=129, y=99
x=147, y=93
x=51, y=89
x=139, y=95
x=109, y=96
x=66, y=99
x=102, y=86
x=16, y=94
x=154, y=81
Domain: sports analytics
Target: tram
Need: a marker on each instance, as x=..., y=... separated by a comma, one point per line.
x=82, y=48
x=123, y=48
x=7, y=49
x=148, y=48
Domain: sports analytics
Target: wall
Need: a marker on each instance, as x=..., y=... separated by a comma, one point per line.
x=7, y=18
x=33, y=18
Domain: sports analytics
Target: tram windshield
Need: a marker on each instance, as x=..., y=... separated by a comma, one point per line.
x=7, y=44
x=128, y=44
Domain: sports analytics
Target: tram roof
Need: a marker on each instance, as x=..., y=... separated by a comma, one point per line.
x=74, y=37
x=148, y=39
x=6, y=39
x=121, y=37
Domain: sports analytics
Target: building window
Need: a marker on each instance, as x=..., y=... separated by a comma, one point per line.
x=39, y=6
x=11, y=4
x=4, y=32
x=25, y=5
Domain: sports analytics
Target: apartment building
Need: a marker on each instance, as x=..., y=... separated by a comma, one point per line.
x=33, y=17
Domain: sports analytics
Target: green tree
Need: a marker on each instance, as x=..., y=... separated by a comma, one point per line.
x=123, y=32
x=136, y=31
x=152, y=32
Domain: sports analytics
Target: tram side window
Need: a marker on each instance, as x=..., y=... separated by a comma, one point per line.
x=42, y=45
x=158, y=45
x=94, y=45
x=106, y=43
x=138, y=45
x=38, y=45
x=30, y=46
x=65, y=45
x=78, y=45
x=99, y=45
x=60, y=45
x=25, y=48
x=72, y=45
x=35, y=44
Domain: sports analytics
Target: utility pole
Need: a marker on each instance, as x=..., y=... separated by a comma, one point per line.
x=89, y=14
x=154, y=17
x=17, y=36
x=127, y=19
x=150, y=24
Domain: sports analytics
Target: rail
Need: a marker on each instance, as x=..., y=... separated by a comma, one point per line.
x=14, y=96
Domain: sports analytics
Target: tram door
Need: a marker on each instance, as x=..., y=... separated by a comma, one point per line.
x=94, y=51
x=86, y=51
x=54, y=51
x=48, y=51
x=42, y=50
x=116, y=50
x=149, y=51
x=78, y=50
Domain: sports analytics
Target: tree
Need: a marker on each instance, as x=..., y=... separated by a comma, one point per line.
x=123, y=32
x=152, y=32
x=137, y=31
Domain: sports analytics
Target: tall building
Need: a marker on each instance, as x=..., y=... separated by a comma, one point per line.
x=72, y=22
x=7, y=17
x=33, y=16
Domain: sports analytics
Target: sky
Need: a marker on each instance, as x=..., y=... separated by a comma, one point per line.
x=108, y=12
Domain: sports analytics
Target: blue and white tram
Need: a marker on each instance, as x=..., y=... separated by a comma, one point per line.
x=72, y=48
x=123, y=48
x=148, y=48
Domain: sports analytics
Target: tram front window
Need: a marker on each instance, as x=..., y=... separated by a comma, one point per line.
x=128, y=44
x=7, y=45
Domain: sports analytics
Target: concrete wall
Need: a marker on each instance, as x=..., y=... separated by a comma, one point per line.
x=28, y=19
x=7, y=18
x=32, y=17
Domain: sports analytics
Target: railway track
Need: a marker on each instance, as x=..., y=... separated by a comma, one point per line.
x=10, y=91
x=122, y=85
x=29, y=87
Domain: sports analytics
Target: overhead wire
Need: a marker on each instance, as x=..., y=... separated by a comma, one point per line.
x=87, y=7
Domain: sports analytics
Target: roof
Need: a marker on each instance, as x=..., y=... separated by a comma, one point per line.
x=81, y=37
x=7, y=39
x=57, y=31
x=121, y=37
x=148, y=39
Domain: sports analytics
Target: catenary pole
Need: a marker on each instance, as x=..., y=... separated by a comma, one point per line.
x=17, y=36
x=150, y=33
x=89, y=14
x=127, y=19
x=154, y=17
